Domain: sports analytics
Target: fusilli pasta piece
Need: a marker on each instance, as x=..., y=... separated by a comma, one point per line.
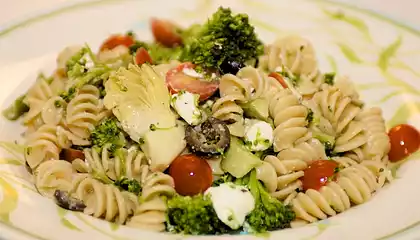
x=42, y=145
x=290, y=119
x=36, y=97
x=354, y=184
x=150, y=214
x=248, y=84
x=104, y=200
x=52, y=175
x=84, y=111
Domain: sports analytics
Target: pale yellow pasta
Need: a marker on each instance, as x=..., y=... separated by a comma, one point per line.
x=132, y=164
x=105, y=200
x=150, y=213
x=65, y=55
x=295, y=56
x=85, y=111
x=281, y=177
x=42, y=145
x=378, y=143
x=52, y=175
x=35, y=98
x=352, y=138
x=289, y=119
x=307, y=151
x=53, y=111
x=248, y=84
x=354, y=185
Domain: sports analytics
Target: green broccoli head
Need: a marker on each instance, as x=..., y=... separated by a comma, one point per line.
x=224, y=39
x=108, y=132
x=131, y=185
x=194, y=215
x=269, y=213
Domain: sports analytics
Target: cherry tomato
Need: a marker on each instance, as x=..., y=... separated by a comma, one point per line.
x=178, y=81
x=142, y=56
x=70, y=154
x=117, y=40
x=405, y=140
x=279, y=78
x=318, y=173
x=192, y=175
x=165, y=33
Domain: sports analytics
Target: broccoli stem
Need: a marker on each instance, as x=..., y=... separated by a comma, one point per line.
x=16, y=109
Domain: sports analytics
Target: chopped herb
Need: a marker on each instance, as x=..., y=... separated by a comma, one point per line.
x=310, y=116
x=141, y=140
x=152, y=127
x=330, y=108
x=381, y=170
x=57, y=103
x=336, y=170
x=69, y=95
x=329, y=78
x=28, y=150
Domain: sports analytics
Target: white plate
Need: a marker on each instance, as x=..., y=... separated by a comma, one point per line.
x=357, y=45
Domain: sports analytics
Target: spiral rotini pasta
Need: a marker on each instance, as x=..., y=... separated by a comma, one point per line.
x=52, y=175
x=378, y=143
x=248, y=84
x=134, y=161
x=104, y=200
x=84, y=111
x=150, y=214
x=289, y=119
x=354, y=184
x=295, y=56
x=42, y=145
x=35, y=98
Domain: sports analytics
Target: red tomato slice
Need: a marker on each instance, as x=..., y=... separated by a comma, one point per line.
x=142, y=56
x=192, y=175
x=116, y=40
x=318, y=173
x=178, y=81
x=279, y=78
x=405, y=140
x=164, y=33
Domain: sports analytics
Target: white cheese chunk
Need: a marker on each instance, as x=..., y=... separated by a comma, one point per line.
x=192, y=73
x=258, y=135
x=186, y=105
x=232, y=203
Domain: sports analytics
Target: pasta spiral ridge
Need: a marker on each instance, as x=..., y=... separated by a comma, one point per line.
x=150, y=213
x=296, y=56
x=281, y=174
x=378, y=142
x=248, y=84
x=132, y=164
x=84, y=111
x=354, y=184
x=35, y=98
x=290, y=119
x=42, y=145
x=52, y=175
x=104, y=200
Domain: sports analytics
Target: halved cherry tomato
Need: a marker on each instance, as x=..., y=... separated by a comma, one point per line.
x=165, y=33
x=142, y=56
x=279, y=78
x=116, y=40
x=177, y=81
x=192, y=175
x=405, y=140
x=318, y=173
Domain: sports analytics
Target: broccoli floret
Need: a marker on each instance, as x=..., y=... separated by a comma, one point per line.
x=329, y=78
x=108, y=132
x=327, y=140
x=194, y=215
x=269, y=213
x=16, y=109
x=131, y=185
x=225, y=178
x=224, y=39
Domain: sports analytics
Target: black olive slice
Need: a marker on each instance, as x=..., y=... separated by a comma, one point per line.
x=70, y=203
x=210, y=137
x=231, y=67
